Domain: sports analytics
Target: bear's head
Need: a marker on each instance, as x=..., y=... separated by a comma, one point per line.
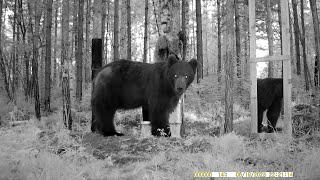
x=180, y=73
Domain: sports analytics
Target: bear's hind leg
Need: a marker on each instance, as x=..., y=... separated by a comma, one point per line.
x=260, y=119
x=107, y=124
x=273, y=115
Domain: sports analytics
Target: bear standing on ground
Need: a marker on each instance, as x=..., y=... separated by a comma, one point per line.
x=127, y=85
x=270, y=94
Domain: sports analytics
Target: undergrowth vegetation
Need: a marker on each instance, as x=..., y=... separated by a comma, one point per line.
x=46, y=150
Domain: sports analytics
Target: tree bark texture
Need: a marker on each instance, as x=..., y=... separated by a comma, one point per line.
x=48, y=57
x=296, y=35
x=219, y=39
x=145, y=38
x=199, y=41
x=35, y=59
x=116, y=55
x=229, y=68
x=67, y=119
x=270, y=37
x=129, y=30
x=303, y=44
x=238, y=40
x=315, y=18
x=79, y=59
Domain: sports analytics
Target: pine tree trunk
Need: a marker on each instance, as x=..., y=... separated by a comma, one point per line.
x=35, y=59
x=116, y=31
x=227, y=126
x=280, y=26
x=183, y=26
x=129, y=30
x=103, y=29
x=48, y=57
x=238, y=43
x=55, y=77
x=199, y=41
x=296, y=35
x=30, y=41
x=313, y=5
x=14, y=56
x=219, y=39
x=67, y=119
x=79, y=53
x=291, y=40
x=145, y=39
x=270, y=37
x=75, y=29
x=303, y=44
x=86, y=59
x=123, y=29
x=107, y=35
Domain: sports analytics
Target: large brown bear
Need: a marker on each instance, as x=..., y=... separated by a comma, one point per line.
x=127, y=85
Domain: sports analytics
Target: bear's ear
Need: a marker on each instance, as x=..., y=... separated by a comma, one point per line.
x=193, y=63
x=172, y=60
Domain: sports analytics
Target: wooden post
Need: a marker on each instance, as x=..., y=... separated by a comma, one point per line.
x=96, y=45
x=175, y=119
x=96, y=38
x=253, y=67
x=287, y=84
x=286, y=67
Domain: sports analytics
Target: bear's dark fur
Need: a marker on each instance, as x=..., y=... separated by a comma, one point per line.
x=270, y=94
x=127, y=85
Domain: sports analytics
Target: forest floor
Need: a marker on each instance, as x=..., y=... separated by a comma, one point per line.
x=46, y=150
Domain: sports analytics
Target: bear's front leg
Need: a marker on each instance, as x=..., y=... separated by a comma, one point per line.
x=160, y=123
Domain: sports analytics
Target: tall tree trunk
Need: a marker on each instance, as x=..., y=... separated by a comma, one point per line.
x=193, y=34
x=219, y=39
x=123, y=28
x=48, y=57
x=313, y=5
x=238, y=41
x=23, y=29
x=145, y=40
x=280, y=25
x=129, y=30
x=79, y=53
x=303, y=44
x=2, y=65
x=205, y=66
x=296, y=35
x=75, y=29
x=227, y=126
x=183, y=26
x=14, y=56
x=103, y=28
x=67, y=119
x=87, y=63
x=55, y=77
x=35, y=59
x=291, y=39
x=270, y=37
x=199, y=41
x=108, y=23
x=30, y=41
x=116, y=31
x=42, y=50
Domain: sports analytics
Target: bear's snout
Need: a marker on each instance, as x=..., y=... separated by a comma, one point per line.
x=180, y=85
